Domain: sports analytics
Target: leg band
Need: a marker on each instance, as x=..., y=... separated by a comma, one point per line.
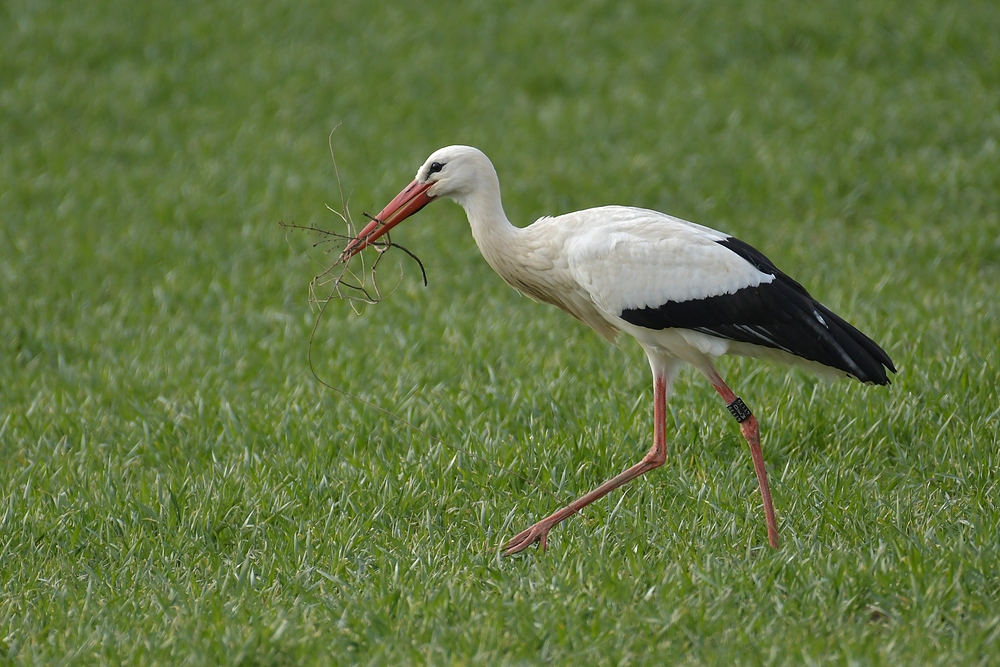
x=740, y=410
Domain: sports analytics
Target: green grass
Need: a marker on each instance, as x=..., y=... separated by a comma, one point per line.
x=178, y=488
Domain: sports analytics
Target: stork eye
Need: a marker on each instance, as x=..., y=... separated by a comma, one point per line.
x=435, y=167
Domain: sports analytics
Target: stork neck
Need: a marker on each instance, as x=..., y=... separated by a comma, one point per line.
x=490, y=227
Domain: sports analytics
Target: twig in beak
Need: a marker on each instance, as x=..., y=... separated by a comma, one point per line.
x=343, y=282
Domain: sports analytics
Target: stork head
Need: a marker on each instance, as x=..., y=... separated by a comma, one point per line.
x=456, y=172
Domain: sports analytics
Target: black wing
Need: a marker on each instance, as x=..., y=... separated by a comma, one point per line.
x=780, y=314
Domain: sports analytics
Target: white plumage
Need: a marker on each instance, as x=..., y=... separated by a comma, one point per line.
x=685, y=292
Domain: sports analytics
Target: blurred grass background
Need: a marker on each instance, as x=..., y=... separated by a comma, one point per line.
x=180, y=489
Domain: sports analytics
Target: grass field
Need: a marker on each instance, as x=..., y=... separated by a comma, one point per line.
x=180, y=489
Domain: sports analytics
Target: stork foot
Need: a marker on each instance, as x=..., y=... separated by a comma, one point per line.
x=537, y=533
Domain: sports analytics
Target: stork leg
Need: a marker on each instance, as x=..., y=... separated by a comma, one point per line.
x=654, y=458
x=751, y=432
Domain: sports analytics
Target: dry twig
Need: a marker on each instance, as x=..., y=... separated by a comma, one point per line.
x=339, y=280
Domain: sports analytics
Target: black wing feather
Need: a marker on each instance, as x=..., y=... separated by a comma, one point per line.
x=780, y=315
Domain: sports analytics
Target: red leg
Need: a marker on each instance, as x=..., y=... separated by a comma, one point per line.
x=654, y=458
x=751, y=431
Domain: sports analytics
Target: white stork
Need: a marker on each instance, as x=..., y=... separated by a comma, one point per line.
x=685, y=292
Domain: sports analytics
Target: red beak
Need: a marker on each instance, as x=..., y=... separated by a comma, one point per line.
x=413, y=198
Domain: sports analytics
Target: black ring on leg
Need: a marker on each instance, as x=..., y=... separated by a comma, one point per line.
x=739, y=410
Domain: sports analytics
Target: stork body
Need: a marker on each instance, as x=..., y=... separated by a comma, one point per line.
x=685, y=292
